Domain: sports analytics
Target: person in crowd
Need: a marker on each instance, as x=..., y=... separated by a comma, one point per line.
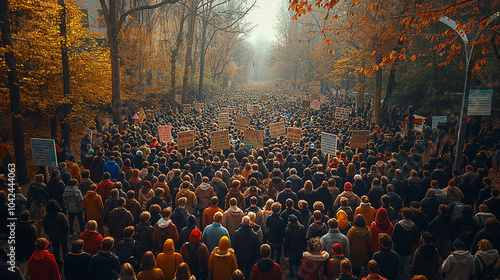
x=404, y=236
x=222, y=261
x=104, y=265
x=245, y=243
x=94, y=209
x=25, y=231
x=318, y=228
x=232, y=217
x=266, y=268
x=105, y=186
x=92, y=240
x=149, y=271
x=119, y=219
x=186, y=231
x=165, y=229
x=42, y=265
x=132, y=205
x=360, y=239
x=334, y=236
x=382, y=224
x=316, y=263
x=460, y=263
x=73, y=199
x=204, y=193
x=366, y=210
x=373, y=271
x=486, y=260
x=490, y=232
x=56, y=227
x=426, y=258
x=386, y=258
x=208, y=213
x=214, y=232
x=191, y=201
x=56, y=188
x=441, y=228
x=195, y=254
x=76, y=262
x=294, y=244
x=168, y=261
x=38, y=196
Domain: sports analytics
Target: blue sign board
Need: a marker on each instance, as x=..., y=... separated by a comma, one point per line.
x=329, y=143
x=480, y=102
x=44, y=152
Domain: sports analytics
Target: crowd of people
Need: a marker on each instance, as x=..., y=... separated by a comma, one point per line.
x=394, y=209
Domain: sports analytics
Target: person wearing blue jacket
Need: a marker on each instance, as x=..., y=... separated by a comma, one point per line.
x=112, y=168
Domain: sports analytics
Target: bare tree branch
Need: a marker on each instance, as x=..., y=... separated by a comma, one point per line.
x=141, y=8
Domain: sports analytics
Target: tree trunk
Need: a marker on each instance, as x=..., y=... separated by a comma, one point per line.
x=189, y=48
x=112, y=32
x=53, y=127
x=202, y=60
x=391, y=85
x=360, y=94
x=14, y=93
x=377, y=94
x=66, y=107
x=173, y=61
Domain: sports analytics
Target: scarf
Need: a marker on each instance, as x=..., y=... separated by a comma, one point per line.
x=382, y=219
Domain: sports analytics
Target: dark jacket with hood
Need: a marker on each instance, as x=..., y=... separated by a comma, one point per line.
x=425, y=261
x=104, y=266
x=118, y=220
x=295, y=239
x=404, y=236
x=316, y=230
x=186, y=231
x=276, y=227
x=297, y=182
x=245, y=243
x=76, y=265
x=96, y=169
x=441, y=227
x=56, y=226
x=26, y=232
x=388, y=262
x=266, y=269
x=56, y=187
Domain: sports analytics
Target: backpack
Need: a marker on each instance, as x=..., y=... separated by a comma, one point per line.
x=126, y=255
x=457, y=210
x=489, y=272
x=193, y=263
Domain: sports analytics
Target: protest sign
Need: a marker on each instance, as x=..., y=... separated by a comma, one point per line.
x=277, y=129
x=219, y=140
x=256, y=137
x=228, y=110
x=197, y=106
x=165, y=133
x=224, y=119
x=342, y=113
x=242, y=122
x=480, y=102
x=44, y=152
x=141, y=115
x=358, y=138
x=256, y=109
x=315, y=104
x=306, y=103
x=438, y=119
x=186, y=108
x=150, y=115
x=328, y=143
x=293, y=134
x=185, y=139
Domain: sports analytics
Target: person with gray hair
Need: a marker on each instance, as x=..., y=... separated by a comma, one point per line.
x=245, y=243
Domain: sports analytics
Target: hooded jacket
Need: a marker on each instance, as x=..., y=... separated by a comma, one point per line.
x=56, y=226
x=165, y=228
x=42, y=266
x=459, y=265
x=204, y=192
x=316, y=230
x=73, y=198
x=104, y=188
x=92, y=242
x=295, y=239
x=231, y=219
x=360, y=239
x=222, y=261
x=208, y=215
x=236, y=193
x=425, y=261
x=76, y=265
x=56, y=188
x=311, y=265
x=74, y=170
x=104, y=266
x=404, y=236
x=489, y=257
x=201, y=252
x=212, y=233
x=367, y=211
x=96, y=168
x=26, y=232
x=388, y=263
x=112, y=168
x=246, y=245
x=334, y=236
x=169, y=260
x=92, y=203
x=191, y=199
x=266, y=269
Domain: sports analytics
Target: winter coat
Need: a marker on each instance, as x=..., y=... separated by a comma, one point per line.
x=56, y=226
x=179, y=218
x=316, y=230
x=489, y=258
x=76, y=265
x=376, y=230
x=220, y=189
x=163, y=230
x=246, y=245
x=360, y=239
x=404, y=236
x=425, y=261
x=144, y=238
x=26, y=232
x=334, y=236
x=112, y=168
x=202, y=255
x=104, y=188
x=73, y=198
x=84, y=186
x=192, y=202
x=266, y=269
x=92, y=242
x=144, y=195
x=74, y=170
x=295, y=239
x=276, y=227
x=222, y=261
x=441, y=227
x=236, y=193
x=367, y=211
x=324, y=195
x=231, y=219
x=104, y=266
x=169, y=260
x=459, y=265
x=56, y=189
x=354, y=200
x=315, y=265
x=430, y=206
x=118, y=220
x=453, y=194
x=212, y=234
x=94, y=208
x=42, y=266
x=297, y=182
x=135, y=208
x=96, y=169
x=204, y=194
x=151, y=274
x=208, y=216
x=388, y=263
x=374, y=195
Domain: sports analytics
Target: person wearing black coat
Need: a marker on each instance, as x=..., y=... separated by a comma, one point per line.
x=76, y=262
x=440, y=175
x=426, y=258
x=441, y=230
x=491, y=231
x=245, y=243
x=179, y=218
x=295, y=243
x=289, y=210
x=297, y=182
x=56, y=227
x=430, y=204
x=468, y=190
x=125, y=184
x=96, y=167
x=287, y=193
x=104, y=265
x=324, y=195
x=359, y=187
x=276, y=227
x=375, y=193
x=465, y=227
x=56, y=187
x=386, y=258
x=25, y=231
x=186, y=231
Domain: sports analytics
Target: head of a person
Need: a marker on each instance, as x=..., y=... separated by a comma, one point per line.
x=359, y=221
x=107, y=243
x=41, y=244
x=218, y=217
x=77, y=246
x=91, y=226
x=385, y=240
x=314, y=245
x=127, y=272
x=265, y=251
x=426, y=237
x=276, y=207
x=346, y=267
x=484, y=244
x=372, y=266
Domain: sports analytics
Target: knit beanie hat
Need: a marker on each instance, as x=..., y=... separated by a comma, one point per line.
x=348, y=187
x=337, y=248
x=223, y=245
x=195, y=236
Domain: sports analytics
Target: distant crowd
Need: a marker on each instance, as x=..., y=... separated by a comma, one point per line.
x=394, y=209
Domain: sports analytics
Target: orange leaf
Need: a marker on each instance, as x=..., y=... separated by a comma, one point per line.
x=413, y=57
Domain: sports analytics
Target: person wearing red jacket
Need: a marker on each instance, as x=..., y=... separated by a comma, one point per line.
x=92, y=239
x=105, y=186
x=266, y=268
x=42, y=264
x=165, y=229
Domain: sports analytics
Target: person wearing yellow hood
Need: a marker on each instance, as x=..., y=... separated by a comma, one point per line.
x=344, y=224
x=169, y=260
x=360, y=239
x=222, y=261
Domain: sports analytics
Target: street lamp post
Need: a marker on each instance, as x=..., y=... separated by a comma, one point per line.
x=469, y=54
